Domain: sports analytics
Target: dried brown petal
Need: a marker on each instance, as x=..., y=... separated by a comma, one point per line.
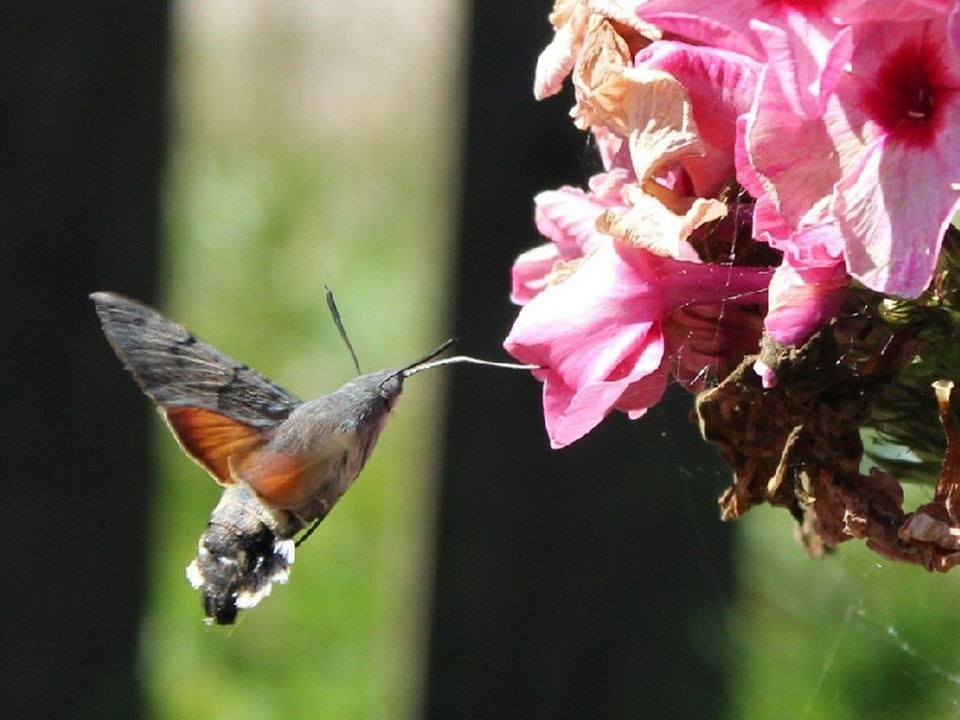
x=571, y=20
x=797, y=445
x=661, y=228
x=603, y=56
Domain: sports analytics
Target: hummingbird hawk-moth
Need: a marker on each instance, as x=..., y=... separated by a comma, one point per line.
x=283, y=463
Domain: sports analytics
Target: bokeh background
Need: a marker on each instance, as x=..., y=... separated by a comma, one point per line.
x=313, y=144
x=227, y=159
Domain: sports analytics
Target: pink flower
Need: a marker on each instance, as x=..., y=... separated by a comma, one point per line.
x=883, y=160
x=895, y=122
x=599, y=332
x=802, y=300
x=676, y=111
x=720, y=86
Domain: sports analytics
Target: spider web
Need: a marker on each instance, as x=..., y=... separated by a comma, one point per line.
x=848, y=635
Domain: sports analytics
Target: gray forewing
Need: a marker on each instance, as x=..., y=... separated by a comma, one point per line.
x=177, y=369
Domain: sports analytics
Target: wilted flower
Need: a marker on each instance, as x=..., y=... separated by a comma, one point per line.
x=772, y=230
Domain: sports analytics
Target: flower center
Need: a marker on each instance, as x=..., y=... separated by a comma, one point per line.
x=909, y=88
x=919, y=107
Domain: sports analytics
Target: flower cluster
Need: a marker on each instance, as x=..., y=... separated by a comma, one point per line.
x=770, y=228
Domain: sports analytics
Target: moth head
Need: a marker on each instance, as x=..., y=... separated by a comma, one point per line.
x=390, y=389
x=389, y=383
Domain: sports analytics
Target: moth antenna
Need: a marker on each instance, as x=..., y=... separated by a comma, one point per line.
x=420, y=367
x=332, y=304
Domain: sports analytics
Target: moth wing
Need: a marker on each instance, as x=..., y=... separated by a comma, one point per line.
x=212, y=440
x=217, y=407
x=177, y=369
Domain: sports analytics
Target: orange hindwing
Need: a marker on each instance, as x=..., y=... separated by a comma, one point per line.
x=213, y=440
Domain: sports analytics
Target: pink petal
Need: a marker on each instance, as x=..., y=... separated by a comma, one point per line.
x=953, y=31
x=644, y=394
x=855, y=12
x=595, y=333
x=806, y=54
x=768, y=376
x=791, y=156
x=530, y=271
x=569, y=414
x=816, y=245
x=568, y=217
x=894, y=228
x=802, y=300
x=721, y=23
x=747, y=174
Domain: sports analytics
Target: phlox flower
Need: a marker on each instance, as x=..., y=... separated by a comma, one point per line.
x=896, y=124
x=719, y=87
x=599, y=332
x=882, y=162
x=676, y=111
x=761, y=158
x=619, y=299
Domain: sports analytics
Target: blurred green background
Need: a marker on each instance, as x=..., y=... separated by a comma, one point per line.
x=306, y=155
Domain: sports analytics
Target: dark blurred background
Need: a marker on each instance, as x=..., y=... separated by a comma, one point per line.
x=228, y=159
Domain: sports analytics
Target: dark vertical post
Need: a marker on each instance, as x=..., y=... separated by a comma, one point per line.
x=588, y=582
x=82, y=138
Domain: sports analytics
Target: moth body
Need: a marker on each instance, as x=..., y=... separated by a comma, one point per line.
x=314, y=456
x=283, y=463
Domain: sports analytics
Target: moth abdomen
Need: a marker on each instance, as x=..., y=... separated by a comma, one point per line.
x=245, y=549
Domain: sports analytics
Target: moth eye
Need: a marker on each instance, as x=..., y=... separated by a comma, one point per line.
x=389, y=395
